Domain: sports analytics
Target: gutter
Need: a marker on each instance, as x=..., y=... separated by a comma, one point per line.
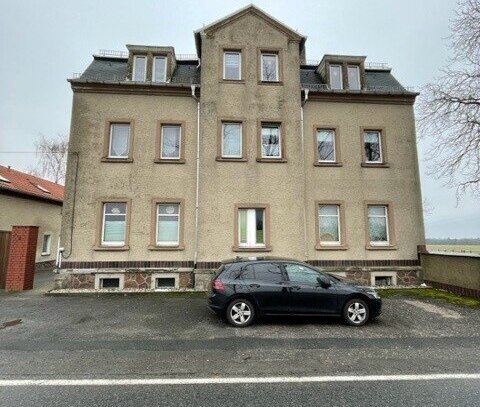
x=197, y=181
x=305, y=234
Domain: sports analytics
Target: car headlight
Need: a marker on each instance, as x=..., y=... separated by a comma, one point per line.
x=374, y=294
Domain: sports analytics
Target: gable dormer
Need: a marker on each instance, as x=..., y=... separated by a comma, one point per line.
x=210, y=29
x=343, y=72
x=150, y=63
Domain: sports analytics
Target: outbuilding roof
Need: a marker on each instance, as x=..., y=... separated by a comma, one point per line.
x=29, y=186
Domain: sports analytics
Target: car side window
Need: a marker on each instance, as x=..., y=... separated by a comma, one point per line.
x=268, y=273
x=247, y=273
x=301, y=274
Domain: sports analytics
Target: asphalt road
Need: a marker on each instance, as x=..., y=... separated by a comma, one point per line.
x=158, y=336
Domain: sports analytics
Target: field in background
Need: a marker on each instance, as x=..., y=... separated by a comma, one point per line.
x=454, y=248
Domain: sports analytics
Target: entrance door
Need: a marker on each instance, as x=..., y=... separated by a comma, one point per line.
x=4, y=247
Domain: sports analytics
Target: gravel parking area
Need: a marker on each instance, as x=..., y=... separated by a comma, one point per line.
x=172, y=335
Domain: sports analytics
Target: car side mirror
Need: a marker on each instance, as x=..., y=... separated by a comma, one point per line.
x=324, y=282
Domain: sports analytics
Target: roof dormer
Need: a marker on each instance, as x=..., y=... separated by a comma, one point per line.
x=150, y=63
x=343, y=72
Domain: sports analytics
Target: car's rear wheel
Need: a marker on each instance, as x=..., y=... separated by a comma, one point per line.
x=240, y=313
x=356, y=312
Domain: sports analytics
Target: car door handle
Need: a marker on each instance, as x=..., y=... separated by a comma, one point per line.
x=295, y=287
x=254, y=285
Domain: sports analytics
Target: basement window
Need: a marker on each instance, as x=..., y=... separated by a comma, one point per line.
x=165, y=281
x=383, y=281
x=109, y=282
x=383, y=278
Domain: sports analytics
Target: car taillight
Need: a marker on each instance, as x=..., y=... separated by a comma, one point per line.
x=218, y=285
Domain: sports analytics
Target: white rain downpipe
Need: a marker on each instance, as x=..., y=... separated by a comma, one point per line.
x=305, y=235
x=197, y=184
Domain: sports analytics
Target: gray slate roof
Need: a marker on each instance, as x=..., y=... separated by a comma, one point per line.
x=187, y=73
x=375, y=80
x=115, y=69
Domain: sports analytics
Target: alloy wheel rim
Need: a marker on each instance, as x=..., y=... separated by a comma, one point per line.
x=357, y=312
x=240, y=313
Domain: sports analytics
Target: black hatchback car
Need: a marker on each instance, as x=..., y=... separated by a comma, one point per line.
x=244, y=288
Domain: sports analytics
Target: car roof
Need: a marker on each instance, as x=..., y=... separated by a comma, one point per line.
x=239, y=259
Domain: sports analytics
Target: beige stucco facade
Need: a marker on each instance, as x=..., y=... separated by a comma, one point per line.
x=19, y=211
x=291, y=187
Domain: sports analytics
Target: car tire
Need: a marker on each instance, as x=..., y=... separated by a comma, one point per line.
x=356, y=312
x=240, y=313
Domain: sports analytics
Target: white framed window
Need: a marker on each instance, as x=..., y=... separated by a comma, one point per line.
x=373, y=146
x=336, y=80
x=232, y=142
x=251, y=227
x=378, y=225
x=119, y=145
x=271, y=140
x=165, y=281
x=353, y=72
x=383, y=278
x=46, y=243
x=3, y=179
x=140, y=68
x=269, y=63
x=232, y=65
x=168, y=224
x=329, y=224
x=171, y=141
x=326, y=145
x=160, y=69
x=114, y=223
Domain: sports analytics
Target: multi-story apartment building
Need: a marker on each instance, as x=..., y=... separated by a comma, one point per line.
x=245, y=150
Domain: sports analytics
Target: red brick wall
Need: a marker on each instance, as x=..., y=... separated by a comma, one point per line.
x=21, y=258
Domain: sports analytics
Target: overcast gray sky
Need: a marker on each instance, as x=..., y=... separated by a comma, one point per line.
x=43, y=42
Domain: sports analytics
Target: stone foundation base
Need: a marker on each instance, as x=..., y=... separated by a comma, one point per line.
x=130, y=279
x=199, y=280
x=45, y=266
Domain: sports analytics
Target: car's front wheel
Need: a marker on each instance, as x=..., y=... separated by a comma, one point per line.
x=356, y=312
x=240, y=313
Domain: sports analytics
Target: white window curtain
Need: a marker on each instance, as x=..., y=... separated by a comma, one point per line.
x=119, y=140
x=171, y=142
x=251, y=227
x=168, y=224
x=329, y=224
x=373, y=148
x=270, y=67
x=326, y=145
x=271, y=142
x=232, y=140
x=114, y=223
x=336, y=80
x=160, y=69
x=232, y=65
x=139, y=68
x=353, y=77
x=378, y=224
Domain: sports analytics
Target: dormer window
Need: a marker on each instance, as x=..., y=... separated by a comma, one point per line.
x=160, y=69
x=353, y=77
x=336, y=80
x=139, y=68
x=3, y=179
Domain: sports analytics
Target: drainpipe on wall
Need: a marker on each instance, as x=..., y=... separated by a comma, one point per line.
x=305, y=235
x=197, y=185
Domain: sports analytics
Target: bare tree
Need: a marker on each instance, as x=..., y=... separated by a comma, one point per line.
x=449, y=108
x=51, y=158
